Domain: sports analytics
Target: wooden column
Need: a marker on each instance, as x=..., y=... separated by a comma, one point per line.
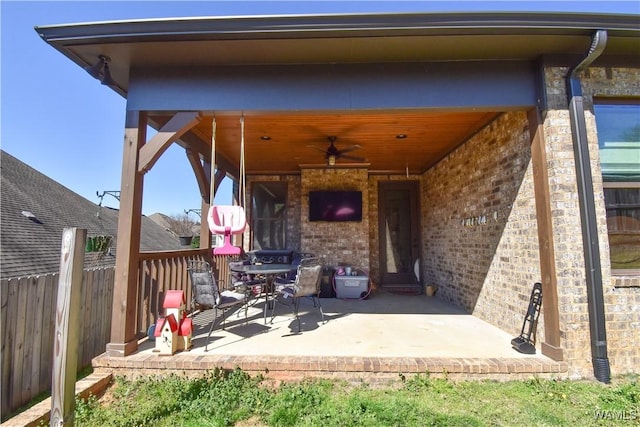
x=551, y=346
x=123, y=319
x=67, y=319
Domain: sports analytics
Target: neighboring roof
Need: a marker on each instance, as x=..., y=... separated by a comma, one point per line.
x=161, y=219
x=30, y=246
x=337, y=38
x=164, y=221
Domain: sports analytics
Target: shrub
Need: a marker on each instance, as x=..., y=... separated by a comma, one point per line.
x=181, y=225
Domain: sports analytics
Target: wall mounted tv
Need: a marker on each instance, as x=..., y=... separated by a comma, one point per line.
x=335, y=205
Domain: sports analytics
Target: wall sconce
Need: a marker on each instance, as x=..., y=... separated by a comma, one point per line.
x=101, y=66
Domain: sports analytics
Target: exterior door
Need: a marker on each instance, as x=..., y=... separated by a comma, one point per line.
x=398, y=232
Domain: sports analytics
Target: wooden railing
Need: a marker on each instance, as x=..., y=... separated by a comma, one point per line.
x=28, y=309
x=159, y=272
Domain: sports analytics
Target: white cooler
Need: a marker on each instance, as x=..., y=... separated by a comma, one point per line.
x=351, y=286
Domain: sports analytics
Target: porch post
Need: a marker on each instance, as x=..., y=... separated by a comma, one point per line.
x=551, y=346
x=123, y=318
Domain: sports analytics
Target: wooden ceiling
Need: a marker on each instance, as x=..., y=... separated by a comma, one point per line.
x=296, y=140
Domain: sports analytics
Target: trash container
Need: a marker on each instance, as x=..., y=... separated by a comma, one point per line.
x=326, y=284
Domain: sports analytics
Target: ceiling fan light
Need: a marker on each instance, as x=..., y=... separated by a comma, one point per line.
x=332, y=160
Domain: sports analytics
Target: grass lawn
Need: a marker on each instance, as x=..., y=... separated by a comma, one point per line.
x=236, y=399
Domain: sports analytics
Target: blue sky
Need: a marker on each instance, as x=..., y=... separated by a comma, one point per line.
x=62, y=122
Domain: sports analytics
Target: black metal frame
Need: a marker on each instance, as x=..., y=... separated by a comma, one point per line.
x=202, y=277
x=292, y=289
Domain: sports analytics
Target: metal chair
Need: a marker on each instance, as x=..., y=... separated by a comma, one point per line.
x=245, y=283
x=206, y=294
x=306, y=284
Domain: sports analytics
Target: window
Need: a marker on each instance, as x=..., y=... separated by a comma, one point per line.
x=268, y=211
x=619, y=142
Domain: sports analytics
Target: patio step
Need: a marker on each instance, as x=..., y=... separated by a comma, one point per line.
x=372, y=370
x=404, y=289
x=39, y=414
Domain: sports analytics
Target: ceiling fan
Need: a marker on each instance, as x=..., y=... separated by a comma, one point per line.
x=332, y=153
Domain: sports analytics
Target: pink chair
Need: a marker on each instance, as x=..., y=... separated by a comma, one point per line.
x=227, y=220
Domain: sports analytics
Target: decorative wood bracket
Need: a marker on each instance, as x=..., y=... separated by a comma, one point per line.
x=179, y=124
x=202, y=172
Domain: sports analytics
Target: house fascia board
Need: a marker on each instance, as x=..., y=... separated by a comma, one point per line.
x=332, y=25
x=83, y=42
x=489, y=85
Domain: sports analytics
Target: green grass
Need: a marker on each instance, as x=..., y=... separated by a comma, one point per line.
x=234, y=398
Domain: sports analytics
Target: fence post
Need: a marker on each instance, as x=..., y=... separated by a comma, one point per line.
x=65, y=344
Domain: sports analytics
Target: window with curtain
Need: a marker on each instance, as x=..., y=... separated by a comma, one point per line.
x=618, y=126
x=269, y=213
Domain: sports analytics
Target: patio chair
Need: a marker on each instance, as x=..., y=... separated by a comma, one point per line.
x=244, y=281
x=306, y=284
x=206, y=294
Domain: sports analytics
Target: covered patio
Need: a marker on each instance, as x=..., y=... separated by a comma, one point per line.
x=373, y=339
x=464, y=115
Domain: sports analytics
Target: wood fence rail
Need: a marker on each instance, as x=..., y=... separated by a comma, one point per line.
x=28, y=308
x=29, y=304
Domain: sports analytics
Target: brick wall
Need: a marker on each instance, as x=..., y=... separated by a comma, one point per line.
x=374, y=241
x=336, y=242
x=621, y=294
x=480, y=243
x=479, y=229
x=353, y=243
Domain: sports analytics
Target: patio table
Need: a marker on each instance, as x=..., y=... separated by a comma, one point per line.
x=270, y=272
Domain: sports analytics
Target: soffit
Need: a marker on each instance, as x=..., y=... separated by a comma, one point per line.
x=297, y=139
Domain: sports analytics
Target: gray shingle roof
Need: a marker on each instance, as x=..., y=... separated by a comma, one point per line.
x=32, y=246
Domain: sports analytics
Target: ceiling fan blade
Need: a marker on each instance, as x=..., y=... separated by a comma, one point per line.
x=324, y=150
x=353, y=158
x=349, y=149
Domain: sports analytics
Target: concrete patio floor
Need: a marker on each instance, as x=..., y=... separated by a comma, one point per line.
x=386, y=324
x=379, y=337
x=373, y=340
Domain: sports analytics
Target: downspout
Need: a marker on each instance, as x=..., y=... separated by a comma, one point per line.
x=595, y=298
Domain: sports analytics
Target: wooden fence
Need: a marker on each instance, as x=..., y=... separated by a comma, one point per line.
x=28, y=309
x=29, y=305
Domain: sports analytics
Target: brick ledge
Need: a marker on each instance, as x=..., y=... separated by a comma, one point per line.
x=364, y=368
x=39, y=413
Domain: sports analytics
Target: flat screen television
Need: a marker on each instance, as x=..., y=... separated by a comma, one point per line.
x=335, y=205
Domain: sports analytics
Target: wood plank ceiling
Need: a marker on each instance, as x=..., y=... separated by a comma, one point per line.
x=297, y=140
